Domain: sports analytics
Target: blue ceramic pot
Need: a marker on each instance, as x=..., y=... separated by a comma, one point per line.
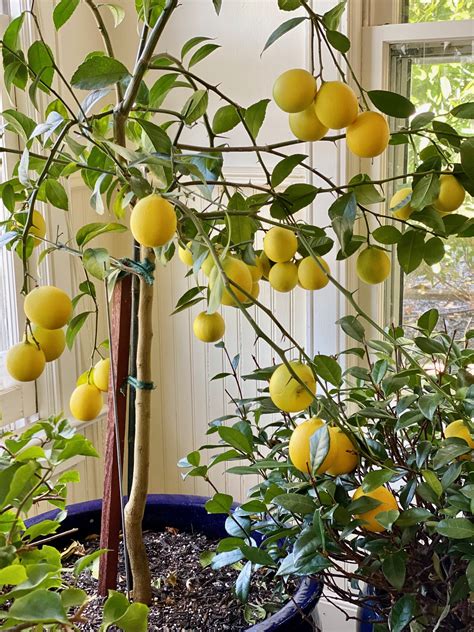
x=188, y=513
x=366, y=617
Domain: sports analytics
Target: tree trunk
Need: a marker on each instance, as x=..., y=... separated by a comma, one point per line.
x=135, y=507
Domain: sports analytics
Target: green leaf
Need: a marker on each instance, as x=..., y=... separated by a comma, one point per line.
x=364, y=189
x=425, y=191
x=63, y=11
x=74, y=327
x=456, y=528
x=352, y=327
x=394, y=569
x=289, y=5
x=192, y=43
x=242, y=229
x=328, y=369
x=219, y=504
x=413, y=516
x=56, y=194
x=13, y=575
x=343, y=213
x=97, y=262
x=295, y=503
x=319, y=444
x=225, y=119
x=161, y=88
x=217, y=5
x=19, y=123
x=428, y=404
x=433, y=481
x=410, y=250
x=402, y=613
x=242, y=583
x=45, y=527
x=135, y=619
x=332, y=17
x=387, y=235
x=202, y=53
x=445, y=132
x=195, y=106
x=434, y=251
x=72, y=597
x=12, y=32
x=40, y=61
x=86, y=561
x=283, y=169
x=428, y=320
x=464, y=111
x=281, y=30
x=90, y=231
x=391, y=103
x=99, y=71
x=255, y=115
x=118, y=13
x=235, y=438
x=39, y=606
x=429, y=345
x=21, y=478
x=467, y=157
x=422, y=120
x=115, y=606
x=375, y=479
x=157, y=135
x=338, y=41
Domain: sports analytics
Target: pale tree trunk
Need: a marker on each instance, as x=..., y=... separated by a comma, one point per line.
x=135, y=507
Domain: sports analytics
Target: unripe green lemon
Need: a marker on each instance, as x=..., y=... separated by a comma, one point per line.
x=185, y=255
x=405, y=211
x=387, y=501
x=51, y=341
x=236, y=271
x=153, y=221
x=451, y=194
x=209, y=327
x=368, y=135
x=289, y=394
x=306, y=126
x=85, y=402
x=336, y=105
x=373, y=265
x=48, y=307
x=38, y=228
x=100, y=375
x=294, y=90
x=25, y=362
x=283, y=276
x=310, y=275
x=280, y=244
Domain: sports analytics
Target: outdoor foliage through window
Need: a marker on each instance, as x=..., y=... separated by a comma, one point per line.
x=438, y=10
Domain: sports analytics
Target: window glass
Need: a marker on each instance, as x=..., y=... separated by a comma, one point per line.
x=436, y=76
x=437, y=10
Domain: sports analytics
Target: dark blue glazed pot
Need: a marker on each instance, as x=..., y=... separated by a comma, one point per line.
x=366, y=617
x=188, y=513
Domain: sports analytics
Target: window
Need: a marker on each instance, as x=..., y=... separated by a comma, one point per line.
x=436, y=10
x=406, y=58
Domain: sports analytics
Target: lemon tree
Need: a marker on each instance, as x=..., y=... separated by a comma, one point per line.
x=385, y=414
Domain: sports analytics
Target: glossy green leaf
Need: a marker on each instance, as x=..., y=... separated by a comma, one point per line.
x=281, y=30
x=225, y=119
x=63, y=11
x=391, y=103
x=99, y=71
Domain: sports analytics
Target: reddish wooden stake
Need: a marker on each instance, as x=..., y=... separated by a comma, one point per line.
x=111, y=508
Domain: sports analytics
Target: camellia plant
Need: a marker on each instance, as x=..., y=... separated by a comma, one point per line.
x=132, y=154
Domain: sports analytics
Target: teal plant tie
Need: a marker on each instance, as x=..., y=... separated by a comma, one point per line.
x=138, y=384
x=143, y=268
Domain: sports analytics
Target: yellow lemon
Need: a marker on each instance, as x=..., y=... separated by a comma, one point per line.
x=283, y=276
x=209, y=327
x=387, y=503
x=336, y=105
x=255, y=290
x=345, y=456
x=51, y=341
x=237, y=272
x=300, y=446
x=460, y=430
x=368, y=135
x=85, y=402
x=25, y=362
x=185, y=254
x=373, y=265
x=38, y=228
x=153, y=221
x=310, y=274
x=306, y=126
x=294, y=90
x=208, y=263
x=406, y=210
x=289, y=394
x=280, y=244
x=451, y=194
x=48, y=307
x=101, y=373
x=265, y=264
x=256, y=271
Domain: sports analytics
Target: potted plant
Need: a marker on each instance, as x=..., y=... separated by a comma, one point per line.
x=133, y=153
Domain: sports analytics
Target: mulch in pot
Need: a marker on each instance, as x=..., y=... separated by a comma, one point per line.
x=186, y=596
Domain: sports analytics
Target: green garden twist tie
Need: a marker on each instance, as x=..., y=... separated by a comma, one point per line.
x=143, y=268
x=138, y=384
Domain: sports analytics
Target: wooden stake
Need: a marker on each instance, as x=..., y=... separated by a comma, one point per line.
x=111, y=504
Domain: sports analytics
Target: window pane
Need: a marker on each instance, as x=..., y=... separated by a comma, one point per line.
x=436, y=76
x=437, y=10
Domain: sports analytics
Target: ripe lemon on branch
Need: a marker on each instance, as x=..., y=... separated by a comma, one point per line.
x=25, y=362
x=100, y=375
x=48, y=307
x=451, y=194
x=85, y=402
x=368, y=135
x=387, y=502
x=294, y=90
x=51, y=341
x=209, y=327
x=373, y=265
x=153, y=221
x=236, y=271
x=460, y=430
x=406, y=210
x=306, y=126
x=310, y=274
x=280, y=244
x=336, y=105
x=283, y=277
x=185, y=254
x=289, y=394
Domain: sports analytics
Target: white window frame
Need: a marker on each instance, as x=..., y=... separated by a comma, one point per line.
x=371, y=44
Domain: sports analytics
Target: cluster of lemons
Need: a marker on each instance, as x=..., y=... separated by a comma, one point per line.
x=292, y=396
x=313, y=112
x=48, y=309
x=86, y=399
x=450, y=197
